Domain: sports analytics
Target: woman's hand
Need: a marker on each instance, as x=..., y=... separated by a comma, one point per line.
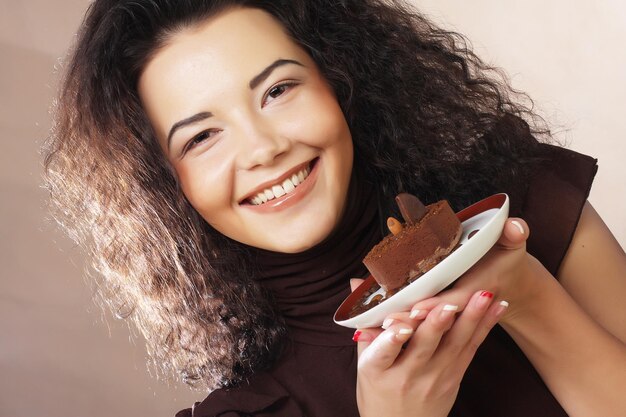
x=414, y=367
x=506, y=270
x=423, y=377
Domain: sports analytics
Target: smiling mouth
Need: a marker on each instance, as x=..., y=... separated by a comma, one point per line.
x=282, y=187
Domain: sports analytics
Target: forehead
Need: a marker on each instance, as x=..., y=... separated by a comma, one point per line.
x=210, y=58
x=233, y=33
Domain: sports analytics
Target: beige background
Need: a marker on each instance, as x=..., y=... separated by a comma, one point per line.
x=61, y=356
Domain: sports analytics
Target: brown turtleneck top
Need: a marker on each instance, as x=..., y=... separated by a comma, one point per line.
x=316, y=376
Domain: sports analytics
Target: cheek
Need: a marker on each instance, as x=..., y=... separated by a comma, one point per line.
x=208, y=189
x=326, y=128
x=316, y=118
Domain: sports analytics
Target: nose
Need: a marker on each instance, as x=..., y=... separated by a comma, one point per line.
x=260, y=145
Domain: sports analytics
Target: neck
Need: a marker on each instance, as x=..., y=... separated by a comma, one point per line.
x=309, y=286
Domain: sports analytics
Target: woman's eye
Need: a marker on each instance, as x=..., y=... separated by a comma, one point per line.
x=277, y=91
x=199, y=138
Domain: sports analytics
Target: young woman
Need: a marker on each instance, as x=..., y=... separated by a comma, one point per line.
x=230, y=163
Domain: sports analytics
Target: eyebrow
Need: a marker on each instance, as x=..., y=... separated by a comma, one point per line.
x=188, y=121
x=267, y=71
x=258, y=79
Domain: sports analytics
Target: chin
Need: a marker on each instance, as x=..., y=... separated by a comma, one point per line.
x=297, y=243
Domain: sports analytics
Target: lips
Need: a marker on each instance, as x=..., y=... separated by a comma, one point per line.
x=279, y=190
x=292, y=198
x=279, y=187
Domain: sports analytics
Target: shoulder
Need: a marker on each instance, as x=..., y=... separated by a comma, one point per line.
x=261, y=396
x=570, y=239
x=556, y=193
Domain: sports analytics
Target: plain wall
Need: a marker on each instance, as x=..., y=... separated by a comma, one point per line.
x=60, y=355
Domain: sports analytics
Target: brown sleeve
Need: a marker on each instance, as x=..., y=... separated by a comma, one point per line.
x=557, y=192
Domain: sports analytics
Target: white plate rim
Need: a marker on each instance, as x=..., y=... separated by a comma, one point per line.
x=443, y=274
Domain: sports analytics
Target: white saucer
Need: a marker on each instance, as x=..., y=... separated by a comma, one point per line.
x=487, y=216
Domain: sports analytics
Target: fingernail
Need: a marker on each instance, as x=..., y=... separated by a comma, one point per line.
x=414, y=314
x=518, y=225
x=448, y=310
x=484, y=299
x=404, y=334
x=503, y=305
x=356, y=336
x=387, y=323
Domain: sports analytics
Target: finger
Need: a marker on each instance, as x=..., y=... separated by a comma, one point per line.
x=405, y=317
x=429, y=304
x=428, y=334
x=363, y=337
x=381, y=353
x=514, y=234
x=355, y=282
x=454, y=296
x=466, y=324
x=490, y=319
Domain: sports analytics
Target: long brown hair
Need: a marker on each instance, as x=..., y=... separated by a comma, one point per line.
x=423, y=110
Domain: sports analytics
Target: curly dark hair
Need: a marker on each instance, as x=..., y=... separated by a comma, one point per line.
x=423, y=110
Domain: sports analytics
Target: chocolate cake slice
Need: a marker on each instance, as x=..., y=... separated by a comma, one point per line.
x=428, y=235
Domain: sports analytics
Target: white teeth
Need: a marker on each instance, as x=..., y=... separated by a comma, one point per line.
x=288, y=186
x=280, y=190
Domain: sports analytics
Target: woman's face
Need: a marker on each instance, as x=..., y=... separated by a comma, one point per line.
x=255, y=134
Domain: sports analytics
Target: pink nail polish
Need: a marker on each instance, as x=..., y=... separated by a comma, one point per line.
x=484, y=299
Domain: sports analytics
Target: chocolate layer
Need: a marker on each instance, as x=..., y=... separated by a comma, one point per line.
x=416, y=249
x=411, y=208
